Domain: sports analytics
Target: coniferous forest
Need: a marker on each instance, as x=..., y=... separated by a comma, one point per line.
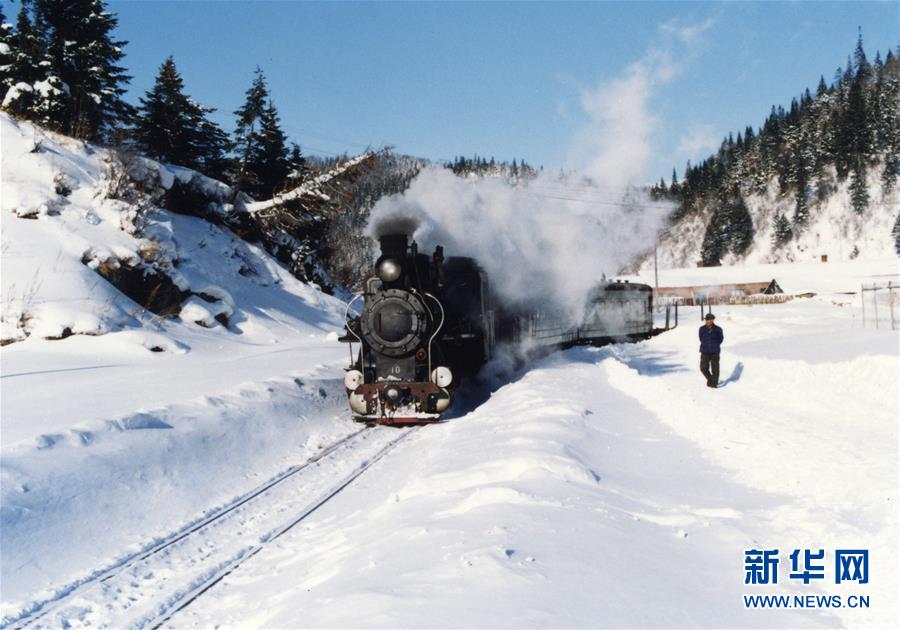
x=61, y=68
x=840, y=132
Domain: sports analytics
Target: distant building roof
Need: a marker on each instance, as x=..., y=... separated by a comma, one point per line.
x=722, y=290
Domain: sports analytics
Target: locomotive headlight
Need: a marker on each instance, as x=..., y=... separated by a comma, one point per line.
x=441, y=376
x=389, y=270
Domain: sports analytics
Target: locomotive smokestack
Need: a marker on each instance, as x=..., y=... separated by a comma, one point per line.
x=389, y=265
x=393, y=246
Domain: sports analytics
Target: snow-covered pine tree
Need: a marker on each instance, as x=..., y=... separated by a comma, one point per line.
x=876, y=104
x=714, y=245
x=172, y=127
x=299, y=167
x=213, y=145
x=260, y=144
x=29, y=91
x=889, y=122
x=782, y=231
x=857, y=119
x=740, y=224
x=801, y=182
x=26, y=54
x=6, y=54
x=896, y=233
x=276, y=166
x=859, y=190
x=674, y=189
x=83, y=63
x=164, y=124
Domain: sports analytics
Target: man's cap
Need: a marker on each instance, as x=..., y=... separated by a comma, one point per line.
x=709, y=316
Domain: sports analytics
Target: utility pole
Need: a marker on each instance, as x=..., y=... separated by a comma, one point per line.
x=656, y=268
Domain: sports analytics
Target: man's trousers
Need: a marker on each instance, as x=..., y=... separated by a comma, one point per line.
x=708, y=361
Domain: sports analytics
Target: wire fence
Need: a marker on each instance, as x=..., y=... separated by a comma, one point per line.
x=665, y=314
x=880, y=305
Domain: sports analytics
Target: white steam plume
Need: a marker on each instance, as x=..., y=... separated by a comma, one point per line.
x=615, y=146
x=541, y=243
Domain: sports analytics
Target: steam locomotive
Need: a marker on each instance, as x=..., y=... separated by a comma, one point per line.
x=428, y=323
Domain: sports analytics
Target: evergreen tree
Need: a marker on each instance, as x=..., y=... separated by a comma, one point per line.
x=83, y=63
x=29, y=92
x=29, y=49
x=896, y=234
x=173, y=128
x=25, y=55
x=740, y=225
x=859, y=192
x=6, y=54
x=164, y=127
x=276, y=165
x=714, y=245
x=889, y=122
x=213, y=145
x=261, y=145
x=801, y=180
x=857, y=118
x=841, y=146
x=782, y=233
x=299, y=167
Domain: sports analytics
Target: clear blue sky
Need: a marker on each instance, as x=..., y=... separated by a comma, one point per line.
x=498, y=79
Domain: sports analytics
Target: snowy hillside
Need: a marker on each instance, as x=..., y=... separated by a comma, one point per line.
x=71, y=221
x=834, y=229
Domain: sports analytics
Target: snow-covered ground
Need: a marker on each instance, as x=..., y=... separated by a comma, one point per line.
x=601, y=487
x=595, y=488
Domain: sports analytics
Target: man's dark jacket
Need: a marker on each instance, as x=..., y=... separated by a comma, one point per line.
x=711, y=339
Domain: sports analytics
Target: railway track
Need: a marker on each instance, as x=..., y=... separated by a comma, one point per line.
x=148, y=588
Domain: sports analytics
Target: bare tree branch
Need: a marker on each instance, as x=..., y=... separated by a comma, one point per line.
x=311, y=188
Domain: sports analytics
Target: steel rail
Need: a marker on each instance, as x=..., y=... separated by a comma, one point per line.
x=41, y=609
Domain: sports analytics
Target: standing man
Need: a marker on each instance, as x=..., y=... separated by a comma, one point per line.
x=711, y=338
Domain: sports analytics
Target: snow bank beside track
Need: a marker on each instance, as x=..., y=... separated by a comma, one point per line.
x=79, y=502
x=124, y=418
